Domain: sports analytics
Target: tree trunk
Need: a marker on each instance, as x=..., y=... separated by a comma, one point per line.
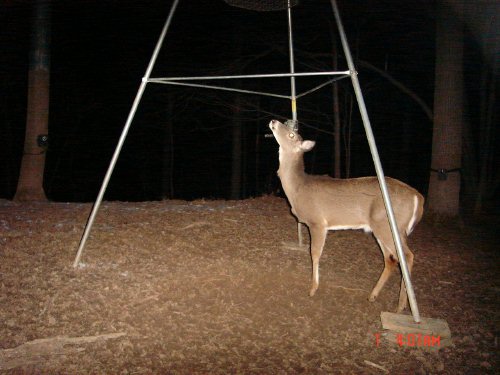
x=405, y=167
x=481, y=178
x=167, y=178
x=444, y=183
x=336, y=118
x=347, y=130
x=258, y=135
x=30, y=184
x=486, y=141
x=488, y=36
x=236, y=152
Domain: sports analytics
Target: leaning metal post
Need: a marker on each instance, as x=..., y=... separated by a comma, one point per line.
x=293, y=91
x=378, y=167
x=292, y=65
x=123, y=136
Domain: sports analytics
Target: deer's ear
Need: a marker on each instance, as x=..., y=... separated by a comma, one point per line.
x=307, y=145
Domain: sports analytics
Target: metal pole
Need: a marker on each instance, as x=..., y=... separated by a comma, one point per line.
x=219, y=88
x=292, y=65
x=123, y=136
x=293, y=92
x=249, y=76
x=378, y=167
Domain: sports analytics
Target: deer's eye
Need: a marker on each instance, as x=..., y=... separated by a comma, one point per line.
x=291, y=135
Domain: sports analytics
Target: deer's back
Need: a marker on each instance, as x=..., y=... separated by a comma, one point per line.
x=353, y=203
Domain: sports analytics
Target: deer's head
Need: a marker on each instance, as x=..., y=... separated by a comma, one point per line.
x=289, y=140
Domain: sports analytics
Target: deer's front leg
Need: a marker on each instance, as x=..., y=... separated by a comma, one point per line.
x=318, y=236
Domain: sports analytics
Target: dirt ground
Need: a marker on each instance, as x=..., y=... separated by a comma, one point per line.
x=215, y=287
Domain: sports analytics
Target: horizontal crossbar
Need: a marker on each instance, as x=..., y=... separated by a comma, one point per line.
x=174, y=81
x=188, y=84
x=276, y=75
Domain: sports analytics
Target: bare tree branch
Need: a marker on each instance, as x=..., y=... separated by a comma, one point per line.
x=400, y=86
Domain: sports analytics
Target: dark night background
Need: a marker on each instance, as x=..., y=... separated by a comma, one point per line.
x=100, y=51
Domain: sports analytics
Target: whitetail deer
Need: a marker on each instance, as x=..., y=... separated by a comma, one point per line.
x=324, y=203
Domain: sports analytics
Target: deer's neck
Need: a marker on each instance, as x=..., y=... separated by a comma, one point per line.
x=291, y=172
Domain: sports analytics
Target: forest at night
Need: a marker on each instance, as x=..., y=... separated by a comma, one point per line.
x=182, y=140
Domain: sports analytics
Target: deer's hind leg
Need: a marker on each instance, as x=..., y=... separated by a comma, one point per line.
x=384, y=238
x=403, y=297
x=390, y=262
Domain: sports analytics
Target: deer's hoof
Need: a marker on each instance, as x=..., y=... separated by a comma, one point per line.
x=400, y=309
x=313, y=291
x=372, y=298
